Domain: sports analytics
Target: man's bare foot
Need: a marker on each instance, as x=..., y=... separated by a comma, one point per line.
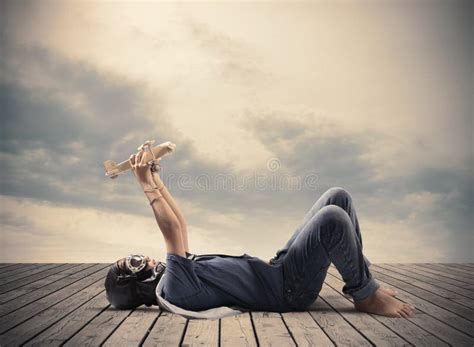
x=389, y=291
x=384, y=304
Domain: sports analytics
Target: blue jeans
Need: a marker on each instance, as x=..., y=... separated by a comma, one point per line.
x=329, y=233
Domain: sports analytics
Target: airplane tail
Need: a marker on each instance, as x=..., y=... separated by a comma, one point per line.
x=110, y=166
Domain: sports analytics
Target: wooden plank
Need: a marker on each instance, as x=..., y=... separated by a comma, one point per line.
x=336, y=327
x=435, y=271
x=134, y=328
x=459, y=267
x=71, y=318
x=202, y=332
x=5, y=265
x=167, y=331
x=99, y=329
x=64, y=329
x=271, y=330
x=372, y=329
x=19, y=268
x=42, y=292
x=433, y=279
x=403, y=327
x=26, y=312
x=441, y=278
x=463, y=266
x=27, y=274
x=237, y=331
x=32, y=278
x=441, y=323
x=459, y=299
x=447, y=304
x=436, y=309
x=13, y=267
x=304, y=329
x=453, y=269
x=52, y=314
x=36, y=284
x=440, y=329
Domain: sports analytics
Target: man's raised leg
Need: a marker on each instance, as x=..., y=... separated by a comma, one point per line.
x=327, y=237
x=334, y=196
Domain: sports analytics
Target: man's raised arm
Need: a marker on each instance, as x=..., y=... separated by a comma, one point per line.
x=174, y=206
x=165, y=217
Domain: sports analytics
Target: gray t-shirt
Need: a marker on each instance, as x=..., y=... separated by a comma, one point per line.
x=219, y=285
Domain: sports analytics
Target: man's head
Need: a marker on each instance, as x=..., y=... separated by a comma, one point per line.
x=132, y=281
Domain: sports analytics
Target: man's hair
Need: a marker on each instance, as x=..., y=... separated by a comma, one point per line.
x=127, y=292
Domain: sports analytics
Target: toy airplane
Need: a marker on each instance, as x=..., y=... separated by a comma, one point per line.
x=112, y=169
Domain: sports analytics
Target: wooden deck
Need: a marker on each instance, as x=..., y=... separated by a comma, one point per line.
x=65, y=304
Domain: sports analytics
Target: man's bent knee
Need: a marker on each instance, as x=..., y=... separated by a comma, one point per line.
x=335, y=217
x=338, y=193
x=333, y=213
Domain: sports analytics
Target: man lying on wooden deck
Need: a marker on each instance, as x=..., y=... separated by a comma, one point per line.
x=216, y=285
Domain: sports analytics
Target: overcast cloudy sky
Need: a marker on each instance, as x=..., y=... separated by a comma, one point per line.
x=375, y=97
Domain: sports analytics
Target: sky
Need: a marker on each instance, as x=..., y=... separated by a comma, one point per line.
x=269, y=105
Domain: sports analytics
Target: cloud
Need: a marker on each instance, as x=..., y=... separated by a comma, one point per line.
x=64, y=118
x=433, y=205
x=306, y=144
x=67, y=128
x=61, y=119
x=58, y=130
x=390, y=131
x=232, y=59
x=71, y=234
